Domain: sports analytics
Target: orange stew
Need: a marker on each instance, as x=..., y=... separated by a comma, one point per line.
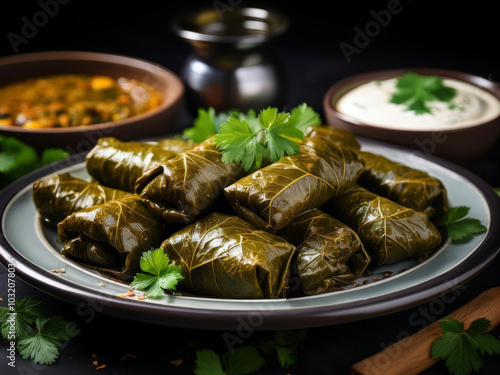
x=68, y=100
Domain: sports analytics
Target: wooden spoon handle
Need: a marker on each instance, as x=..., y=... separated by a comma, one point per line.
x=412, y=355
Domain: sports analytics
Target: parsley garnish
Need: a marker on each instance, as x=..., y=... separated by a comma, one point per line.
x=241, y=361
x=37, y=338
x=462, y=350
x=18, y=158
x=160, y=276
x=271, y=135
x=415, y=91
x=462, y=230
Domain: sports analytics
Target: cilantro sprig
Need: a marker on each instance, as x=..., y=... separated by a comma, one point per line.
x=270, y=135
x=37, y=338
x=462, y=229
x=463, y=350
x=280, y=345
x=416, y=91
x=18, y=158
x=160, y=274
x=241, y=361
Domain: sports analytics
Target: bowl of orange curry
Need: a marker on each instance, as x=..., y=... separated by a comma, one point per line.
x=69, y=99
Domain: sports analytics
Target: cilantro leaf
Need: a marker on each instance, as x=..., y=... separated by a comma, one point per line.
x=461, y=349
x=208, y=363
x=286, y=355
x=42, y=346
x=204, y=126
x=415, y=91
x=18, y=158
x=25, y=312
x=462, y=229
x=51, y=155
x=160, y=274
x=303, y=117
x=242, y=361
x=248, y=139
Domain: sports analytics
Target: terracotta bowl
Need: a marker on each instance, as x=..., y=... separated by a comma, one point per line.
x=78, y=139
x=462, y=146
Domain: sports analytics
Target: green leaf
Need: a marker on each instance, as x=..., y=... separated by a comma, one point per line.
x=459, y=229
x=51, y=155
x=286, y=355
x=38, y=348
x=465, y=229
x=455, y=213
x=154, y=261
x=208, y=363
x=462, y=350
x=415, y=91
x=43, y=345
x=243, y=360
x=303, y=116
x=204, y=126
x=160, y=276
x=26, y=311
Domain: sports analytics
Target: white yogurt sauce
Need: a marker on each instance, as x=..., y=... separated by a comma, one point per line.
x=370, y=103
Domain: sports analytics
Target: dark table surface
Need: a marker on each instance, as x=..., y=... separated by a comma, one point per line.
x=459, y=35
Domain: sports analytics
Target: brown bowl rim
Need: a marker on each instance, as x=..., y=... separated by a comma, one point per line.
x=110, y=58
x=360, y=78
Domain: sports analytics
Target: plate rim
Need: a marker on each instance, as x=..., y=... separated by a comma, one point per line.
x=257, y=320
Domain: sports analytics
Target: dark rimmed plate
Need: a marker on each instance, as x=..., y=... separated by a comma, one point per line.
x=33, y=249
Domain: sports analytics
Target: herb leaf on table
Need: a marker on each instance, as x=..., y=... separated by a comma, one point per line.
x=463, y=350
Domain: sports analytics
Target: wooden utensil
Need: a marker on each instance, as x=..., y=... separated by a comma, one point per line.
x=412, y=355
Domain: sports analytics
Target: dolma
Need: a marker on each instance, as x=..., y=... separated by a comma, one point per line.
x=407, y=186
x=224, y=256
x=118, y=164
x=111, y=237
x=271, y=197
x=176, y=145
x=59, y=195
x=184, y=188
x=389, y=231
x=341, y=137
x=329, y=253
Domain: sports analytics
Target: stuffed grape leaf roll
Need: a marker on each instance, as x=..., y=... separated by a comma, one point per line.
x=329, y=253
x=187, y=186
x=112, y=236
x=405, y=185
x=389, y=231
x=224, y=256
x=341, y=137
x=271, y=197
x=118, y=164
x=176, y=145
x=56, y=196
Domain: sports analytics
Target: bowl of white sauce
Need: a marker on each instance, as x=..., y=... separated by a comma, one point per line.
x=450, y=114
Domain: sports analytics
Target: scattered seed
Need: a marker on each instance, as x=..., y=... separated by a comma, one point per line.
x=94, y=356
x=127, y=355
x=95, y=363
x=61, y=270
x=388, y=273
x=101, y=284
x=125, y=295
x=376, y=278
x=176, y=362
x=100, y=367
x=142, y=297
x=366, y=281
x=355, y=284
